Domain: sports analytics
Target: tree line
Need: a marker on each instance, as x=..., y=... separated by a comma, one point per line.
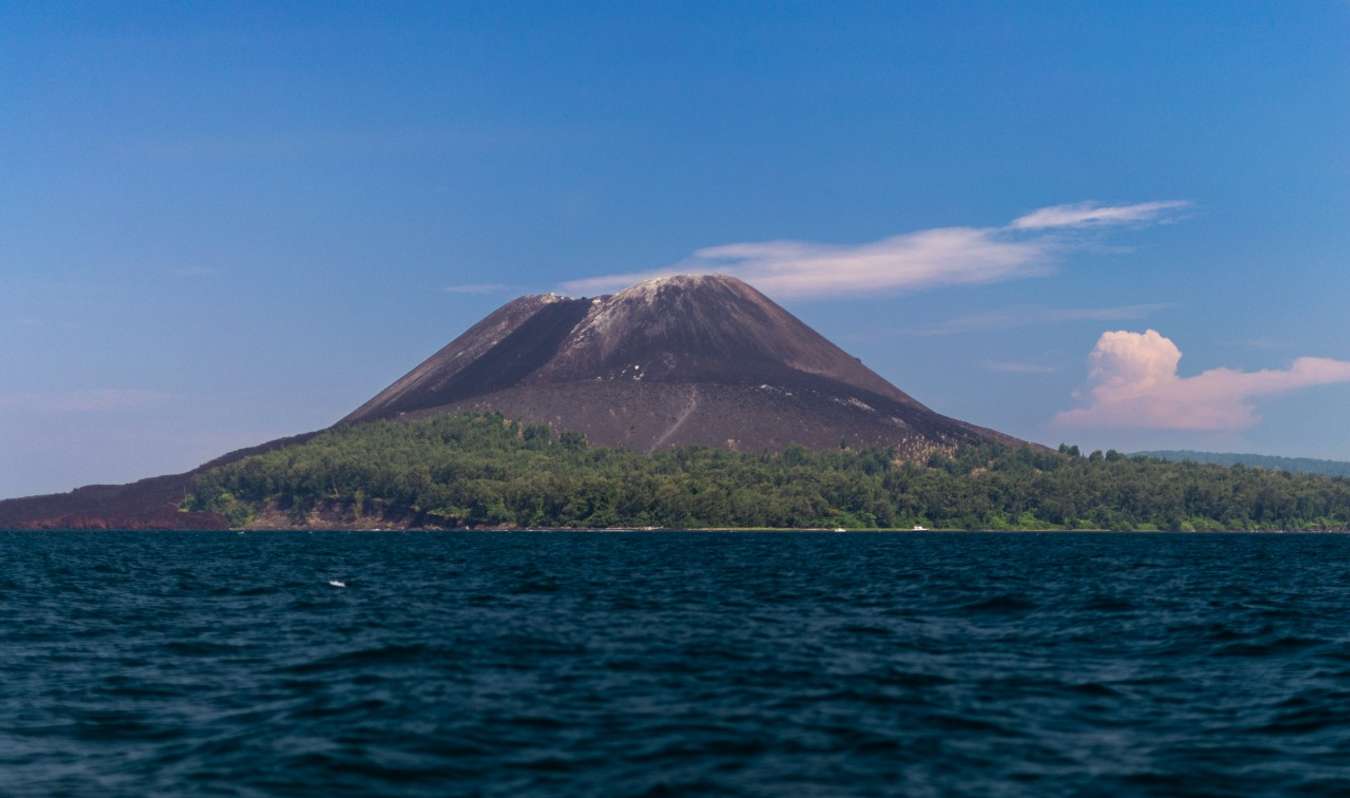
x=483, y=470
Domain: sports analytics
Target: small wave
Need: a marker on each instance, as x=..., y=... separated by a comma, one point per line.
x=201, y=648
x=1303, y=721
x=1004, y=603
x=866, y=630
x=380, y=655
x=538, y=585
x=373, y=772
x=1094, y=689
x=1281, y=645
x=906, y=679
x=317, y=711
x=1100, y=603
x=963, y=723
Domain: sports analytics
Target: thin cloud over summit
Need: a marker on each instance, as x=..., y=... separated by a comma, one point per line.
x=1026, y=247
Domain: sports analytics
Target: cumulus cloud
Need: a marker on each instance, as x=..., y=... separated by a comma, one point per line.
x=911, y=261
x=1134, y=382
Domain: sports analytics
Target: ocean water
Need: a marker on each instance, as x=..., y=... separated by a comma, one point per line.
x=558, y=664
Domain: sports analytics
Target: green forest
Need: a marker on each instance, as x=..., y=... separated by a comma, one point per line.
x=484, y=470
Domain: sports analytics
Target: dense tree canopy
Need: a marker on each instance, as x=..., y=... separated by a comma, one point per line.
x=474, y=470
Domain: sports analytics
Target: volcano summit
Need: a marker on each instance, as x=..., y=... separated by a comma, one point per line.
x=668, y=362
x=671, y=361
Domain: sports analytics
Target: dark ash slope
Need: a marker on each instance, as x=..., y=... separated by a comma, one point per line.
x=669, y=362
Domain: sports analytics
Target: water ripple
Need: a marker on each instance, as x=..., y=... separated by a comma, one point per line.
x=673, y=664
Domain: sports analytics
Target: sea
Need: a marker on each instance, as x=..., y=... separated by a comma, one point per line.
x=673, y=664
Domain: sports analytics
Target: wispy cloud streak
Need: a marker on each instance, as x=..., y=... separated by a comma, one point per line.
x=1026, y=247
x=1092, y=214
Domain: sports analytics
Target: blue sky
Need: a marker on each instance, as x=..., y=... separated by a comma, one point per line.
x=221, y=223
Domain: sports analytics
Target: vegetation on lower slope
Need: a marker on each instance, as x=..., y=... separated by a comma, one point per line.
x=473, y=470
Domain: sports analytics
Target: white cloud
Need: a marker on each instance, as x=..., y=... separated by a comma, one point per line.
x=906, y=262
x=1009, y=318
x=477, y=288
x=1086, y=214
x=945, y=256
x=1134, y=383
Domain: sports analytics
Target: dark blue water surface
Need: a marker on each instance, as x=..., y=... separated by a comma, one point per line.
x=513, y=664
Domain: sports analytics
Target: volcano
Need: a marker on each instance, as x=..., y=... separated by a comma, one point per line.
x=669, y=362
x=673, y=361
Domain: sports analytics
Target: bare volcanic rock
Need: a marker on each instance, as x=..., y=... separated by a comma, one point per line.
x=668, y=362
x=150, y=503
